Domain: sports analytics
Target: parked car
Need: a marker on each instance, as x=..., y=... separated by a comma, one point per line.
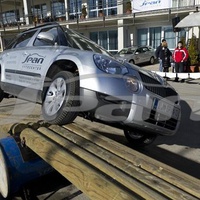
x=69, y=75
x=137, y=54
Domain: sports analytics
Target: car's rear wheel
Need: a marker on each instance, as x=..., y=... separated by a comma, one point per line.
x=139, y=139
x=132, y=62
x=152, y=60
x=59, y=102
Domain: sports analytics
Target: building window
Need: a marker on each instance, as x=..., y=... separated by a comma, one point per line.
x=39, y=12
x=104, y=7
x=75, y=8
x=142, y=36
x=94, y=36
x=170, y=36
x=154, y=36
x=10, y=17
x=58, y=9
x=106, y=39
x=178, y=3
x=113, y=40
x=182, y=35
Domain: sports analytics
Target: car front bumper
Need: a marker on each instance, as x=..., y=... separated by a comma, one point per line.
x=143, y=113
x=150, y=119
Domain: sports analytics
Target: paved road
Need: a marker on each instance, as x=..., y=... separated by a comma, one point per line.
x=180, y=151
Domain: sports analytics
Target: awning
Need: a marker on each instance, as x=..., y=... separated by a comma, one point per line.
x=191, y=20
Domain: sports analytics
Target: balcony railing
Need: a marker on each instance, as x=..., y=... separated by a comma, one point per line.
x=177, y=5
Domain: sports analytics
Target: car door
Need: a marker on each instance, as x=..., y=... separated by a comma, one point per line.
x=11, y=62
x=138, y=57
x=36, y=59
x=146, y=54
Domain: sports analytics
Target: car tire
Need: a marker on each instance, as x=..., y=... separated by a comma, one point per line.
x=59, y=104
x=132, y=62
x=138, y=139
x=152, y=60
x=1, y=94
x=1, y=91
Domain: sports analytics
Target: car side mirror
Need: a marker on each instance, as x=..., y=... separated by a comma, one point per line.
x=136, y=53
x=47, y=37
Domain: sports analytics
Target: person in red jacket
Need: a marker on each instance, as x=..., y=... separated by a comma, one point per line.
x=180, y=56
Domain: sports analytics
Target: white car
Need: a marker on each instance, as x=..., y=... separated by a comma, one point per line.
x=137, y=55
x=69, y=75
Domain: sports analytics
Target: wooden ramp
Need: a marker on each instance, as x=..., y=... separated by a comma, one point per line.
x=104, y=169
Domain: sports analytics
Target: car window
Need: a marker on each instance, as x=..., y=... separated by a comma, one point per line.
x=151, y=48
x=53, y=31
x=139, y=50
x=22, y=40
x=126, y=51
x=78, y=41
x=62, y=37
x=144, y=49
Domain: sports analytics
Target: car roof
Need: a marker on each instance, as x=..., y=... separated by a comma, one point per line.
x=47, y=24
x=135, y=46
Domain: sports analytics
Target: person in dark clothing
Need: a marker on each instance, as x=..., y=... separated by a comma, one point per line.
x=163, y=54
x=166, y=54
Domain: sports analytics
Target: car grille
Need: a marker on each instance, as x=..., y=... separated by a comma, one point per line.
x=155, y=87
x=150, y=116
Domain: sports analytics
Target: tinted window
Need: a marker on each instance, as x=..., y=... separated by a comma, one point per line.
x=139, y=50
x=22, y=40
x=144, y=49
x=78, y=41
x=62, y=37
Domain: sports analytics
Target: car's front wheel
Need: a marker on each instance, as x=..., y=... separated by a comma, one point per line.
x=59, y=105
x=138, y=139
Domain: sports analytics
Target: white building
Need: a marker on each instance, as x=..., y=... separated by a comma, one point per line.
x=108, y=22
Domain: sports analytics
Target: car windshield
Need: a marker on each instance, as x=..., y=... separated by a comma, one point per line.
x=79, y=41
x=127, y=51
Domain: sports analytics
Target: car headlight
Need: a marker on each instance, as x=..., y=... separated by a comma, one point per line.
x=109, y=65
x=132, y=83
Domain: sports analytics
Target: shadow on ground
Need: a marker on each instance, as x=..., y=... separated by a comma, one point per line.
x=188, y=137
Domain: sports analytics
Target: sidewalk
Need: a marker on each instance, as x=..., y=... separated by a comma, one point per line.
x=154, y=67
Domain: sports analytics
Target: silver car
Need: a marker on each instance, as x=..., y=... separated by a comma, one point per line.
x=137, y=55
x=70, y=76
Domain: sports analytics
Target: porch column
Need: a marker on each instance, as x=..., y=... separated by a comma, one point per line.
x=67, y=9
x=27, y=12
x=121, y=34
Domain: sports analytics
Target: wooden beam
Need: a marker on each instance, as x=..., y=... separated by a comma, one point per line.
x=105, y=169
x=171, y=175
x=88, y=179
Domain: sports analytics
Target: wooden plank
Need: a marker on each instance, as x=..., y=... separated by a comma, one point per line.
x=121, y=177
x=88, y=179
x=165, y=172
x=141, y=175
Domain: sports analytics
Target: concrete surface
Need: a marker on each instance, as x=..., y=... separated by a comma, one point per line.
x=180, y=151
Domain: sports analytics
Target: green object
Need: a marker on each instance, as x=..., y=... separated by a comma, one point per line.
x=192, y=50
